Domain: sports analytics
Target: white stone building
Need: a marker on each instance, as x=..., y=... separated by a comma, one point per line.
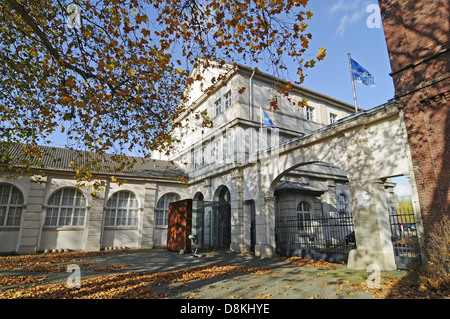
x=219, y=163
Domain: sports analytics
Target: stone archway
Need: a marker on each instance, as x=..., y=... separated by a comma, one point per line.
x=369, y=147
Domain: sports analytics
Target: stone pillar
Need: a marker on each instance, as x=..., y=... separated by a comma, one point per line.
x=31, y=227
x=94, y=224
x=369, y=205
x=265, y=227
x=237, y=217
x=147, y=222
x=248, y=207
x=372, y=227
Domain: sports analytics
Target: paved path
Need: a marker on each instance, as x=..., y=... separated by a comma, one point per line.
x=287, y=281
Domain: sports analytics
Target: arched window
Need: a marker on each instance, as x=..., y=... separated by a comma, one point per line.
x=66, y=207
x=122, y=209
x=11, y=203
x=303, y=215
x=162, y=208
x=342, y=203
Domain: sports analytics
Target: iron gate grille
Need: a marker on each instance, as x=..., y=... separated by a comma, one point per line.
x=327, y=238
x=211, y=223
x=404, y=236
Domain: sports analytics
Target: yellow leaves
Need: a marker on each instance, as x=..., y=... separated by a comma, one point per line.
x=66, y=99
x=130, y=72
x=322, y=53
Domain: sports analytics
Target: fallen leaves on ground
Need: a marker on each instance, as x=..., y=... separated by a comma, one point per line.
x=400, y=288
x=17, y=280
x=305, y=262
x=25, y=262
x=127, y=285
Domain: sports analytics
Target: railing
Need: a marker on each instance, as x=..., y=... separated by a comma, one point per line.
x=404, y=236
x=316, y=233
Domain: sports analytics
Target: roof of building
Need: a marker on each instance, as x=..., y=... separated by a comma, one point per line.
x=63, y=159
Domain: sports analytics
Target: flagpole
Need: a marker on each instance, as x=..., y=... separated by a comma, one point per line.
x=353, y=82
x=261, y=116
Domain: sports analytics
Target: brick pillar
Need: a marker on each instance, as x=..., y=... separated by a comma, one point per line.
x=418, y=36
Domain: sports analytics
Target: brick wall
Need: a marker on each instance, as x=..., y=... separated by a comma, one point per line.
x=418, y=41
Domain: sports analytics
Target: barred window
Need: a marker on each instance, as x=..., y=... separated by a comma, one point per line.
x=11, y=203
x=122, y=209
x=66, y=207
x=162, y=208
x=303, y=216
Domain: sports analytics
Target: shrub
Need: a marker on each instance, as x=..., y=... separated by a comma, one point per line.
x=433, y=273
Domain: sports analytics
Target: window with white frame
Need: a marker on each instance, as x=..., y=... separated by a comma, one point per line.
x=218, y=106
x=122, y=209
x=66, y=207
x=162, y=208
x=303, y=216
x=342, y=203
x=333, y=118
x=309, y=113
x=11, y=203
x=227, y=98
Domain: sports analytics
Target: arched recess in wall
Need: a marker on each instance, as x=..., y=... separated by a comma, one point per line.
x=221, y=218
x=199, y=196
x=222, y=194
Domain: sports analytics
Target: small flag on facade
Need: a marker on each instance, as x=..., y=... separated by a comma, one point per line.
x=362, y=75
x=267, y=121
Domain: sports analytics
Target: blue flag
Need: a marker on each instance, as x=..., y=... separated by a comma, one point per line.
x=267, y=120
x=362, y=75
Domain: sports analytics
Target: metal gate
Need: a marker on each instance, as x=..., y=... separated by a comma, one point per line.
x=211, y=223
x=404, y=236
x=328, y=238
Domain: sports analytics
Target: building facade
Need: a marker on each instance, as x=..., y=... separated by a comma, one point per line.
x=308, y=186
x=52, y=213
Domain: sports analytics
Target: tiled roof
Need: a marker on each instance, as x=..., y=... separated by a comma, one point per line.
x=56, y=158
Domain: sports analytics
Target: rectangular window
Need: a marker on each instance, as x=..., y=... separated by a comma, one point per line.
x=333, y=118
x=217, y=149
x=196, y=159
x=228, y=147
x=309, y=113
x=227, y=98
x=203, y=156
x=218, y=105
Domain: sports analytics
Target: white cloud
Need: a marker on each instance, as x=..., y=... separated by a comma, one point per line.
x=402, y=191
x=355, y=12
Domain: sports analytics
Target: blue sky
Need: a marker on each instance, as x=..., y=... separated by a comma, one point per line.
x=341, y=27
